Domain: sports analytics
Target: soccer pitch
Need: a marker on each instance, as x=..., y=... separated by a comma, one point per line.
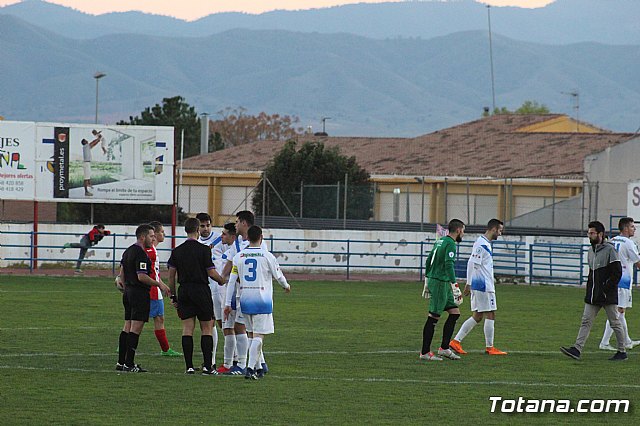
x=343, y=353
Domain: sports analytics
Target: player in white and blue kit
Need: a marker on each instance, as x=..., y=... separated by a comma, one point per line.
x=235, y=319
x=255, y=267
x=628, y=253
x=210, y=238
x=227, y=240
x=481, y=285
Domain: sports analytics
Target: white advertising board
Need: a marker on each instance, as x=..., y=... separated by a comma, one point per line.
x=633, y=200
x=86, y=163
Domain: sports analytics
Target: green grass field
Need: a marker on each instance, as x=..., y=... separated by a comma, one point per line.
x=343, y=353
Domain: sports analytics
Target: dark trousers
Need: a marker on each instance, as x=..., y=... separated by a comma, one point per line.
x=84, y=246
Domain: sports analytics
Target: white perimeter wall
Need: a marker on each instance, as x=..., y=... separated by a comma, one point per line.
x=388, y=252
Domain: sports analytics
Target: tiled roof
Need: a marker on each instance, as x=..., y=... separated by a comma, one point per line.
x=489, y=147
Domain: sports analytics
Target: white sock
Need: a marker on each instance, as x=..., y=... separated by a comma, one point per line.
x=229, y=349
x=625, y=330
x=488, y=332
x=608, y=332
x=242, y=346
x=215, y=344
x=254, y=352
x=262, y=361
x=467, y=326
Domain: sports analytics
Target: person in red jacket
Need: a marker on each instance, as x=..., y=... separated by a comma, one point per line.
x=88, y=240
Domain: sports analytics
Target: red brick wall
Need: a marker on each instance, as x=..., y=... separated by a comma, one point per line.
x=22, y=211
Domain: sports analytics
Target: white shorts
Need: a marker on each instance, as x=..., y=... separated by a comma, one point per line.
x=259, y=323
x=624, y=298
x=235, y=316
x=86, y=168
x=483, y=301
x=217, y=295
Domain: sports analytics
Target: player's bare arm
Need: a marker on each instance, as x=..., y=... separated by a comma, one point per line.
x=146, y=279
x=226, y=271
x=214, y=275
x=172, y=280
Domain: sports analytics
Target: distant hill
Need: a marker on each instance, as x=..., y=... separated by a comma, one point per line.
x=561, y=22
x=393, y=87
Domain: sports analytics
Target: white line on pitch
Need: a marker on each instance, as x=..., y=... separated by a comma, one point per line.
x=381, y=352
x=366, y=379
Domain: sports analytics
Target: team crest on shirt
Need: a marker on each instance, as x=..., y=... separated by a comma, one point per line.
x=143, y=265
x=450, y=254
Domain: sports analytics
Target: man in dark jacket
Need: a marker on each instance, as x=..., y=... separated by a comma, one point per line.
x=605, y=271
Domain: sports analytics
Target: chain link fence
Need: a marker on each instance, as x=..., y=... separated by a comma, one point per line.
x=518, y=202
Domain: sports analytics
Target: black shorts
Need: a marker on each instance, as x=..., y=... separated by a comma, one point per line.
x=137, y=302
x=195, y=301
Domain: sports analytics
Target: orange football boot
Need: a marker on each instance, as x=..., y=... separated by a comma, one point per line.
x=457, y=347
x=491, y=350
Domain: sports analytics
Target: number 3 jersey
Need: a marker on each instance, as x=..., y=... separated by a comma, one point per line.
x=628, y=253
x=254, y=268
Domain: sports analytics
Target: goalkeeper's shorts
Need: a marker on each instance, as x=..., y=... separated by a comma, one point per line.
x=441, y=297
x=483, y=301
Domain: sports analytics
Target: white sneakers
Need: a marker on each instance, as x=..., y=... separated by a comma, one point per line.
x=430, y=356
x=448, y=353
x=607, y=347
x=629, y=345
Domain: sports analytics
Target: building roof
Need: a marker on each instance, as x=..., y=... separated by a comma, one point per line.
x=495, y=146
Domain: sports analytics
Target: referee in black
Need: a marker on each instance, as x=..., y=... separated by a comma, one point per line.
x=136, y=267
x=192, y=263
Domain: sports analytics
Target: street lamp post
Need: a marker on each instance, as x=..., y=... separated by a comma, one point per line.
x=98, y=75
x=324, y=119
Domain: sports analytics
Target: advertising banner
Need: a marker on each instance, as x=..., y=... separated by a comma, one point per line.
x=17, y=161
x=87, y=163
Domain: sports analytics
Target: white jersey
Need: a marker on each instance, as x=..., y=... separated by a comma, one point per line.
x=236, y=248
x=628, y=253
x=211, y=241
x=480, y=266
x=255, y=267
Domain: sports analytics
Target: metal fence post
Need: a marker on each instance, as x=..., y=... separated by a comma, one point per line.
x=271, y=243
x=348, y=257
x=113, y=254
x=531, y=251
x=421, y=258
x=31, y=252
x=581, y=264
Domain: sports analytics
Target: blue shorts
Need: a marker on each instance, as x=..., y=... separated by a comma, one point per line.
x=157, y=309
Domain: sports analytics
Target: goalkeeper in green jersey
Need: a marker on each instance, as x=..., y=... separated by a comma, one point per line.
x=443, y=291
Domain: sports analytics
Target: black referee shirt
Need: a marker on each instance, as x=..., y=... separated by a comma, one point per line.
x=134, y=261
x=192, y=259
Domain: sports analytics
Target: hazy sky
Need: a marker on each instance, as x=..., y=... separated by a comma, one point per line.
x=194, y=9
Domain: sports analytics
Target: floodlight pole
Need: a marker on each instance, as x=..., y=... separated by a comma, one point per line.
x=98, y=75
x=493, y=82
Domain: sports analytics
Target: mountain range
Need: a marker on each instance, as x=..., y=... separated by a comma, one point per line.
x=560, y=22
x=368, y=86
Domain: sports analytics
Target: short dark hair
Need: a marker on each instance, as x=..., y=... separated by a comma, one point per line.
x=455, y=224
x=246, y=216
x=191, y=225
x=143, y=230
x=624, y=222
x=254, y=233
x=230, y=227
x=494, y=223
x=598, y=226
x=157, y=226
x=203, y=217
x=99, y=225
